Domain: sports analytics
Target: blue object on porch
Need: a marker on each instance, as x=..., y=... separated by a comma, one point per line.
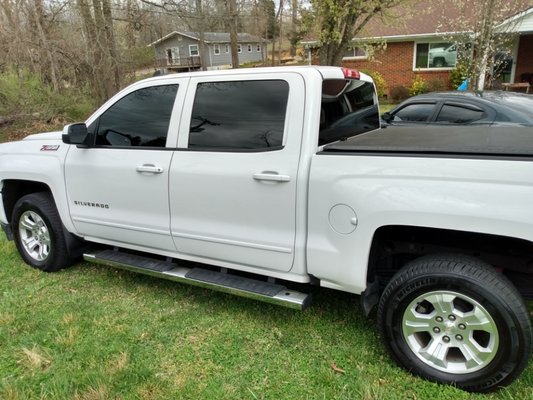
x=463, y=86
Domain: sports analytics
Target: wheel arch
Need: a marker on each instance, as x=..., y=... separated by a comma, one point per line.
x=393, y=246
x=14, y=189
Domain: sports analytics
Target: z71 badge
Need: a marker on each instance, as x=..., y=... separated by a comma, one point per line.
x=50, y=147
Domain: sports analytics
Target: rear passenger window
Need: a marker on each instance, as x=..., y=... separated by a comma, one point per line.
x=241, y=115
x=459, y=115
x=419, y=112
x=140, y=118
x=348, y=108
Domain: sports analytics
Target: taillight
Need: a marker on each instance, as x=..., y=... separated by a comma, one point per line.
x=351, y=73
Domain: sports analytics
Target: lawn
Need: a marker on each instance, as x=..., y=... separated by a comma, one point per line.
x=92, y=332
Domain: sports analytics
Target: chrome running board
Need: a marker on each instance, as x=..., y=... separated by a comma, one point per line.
x=220, y=281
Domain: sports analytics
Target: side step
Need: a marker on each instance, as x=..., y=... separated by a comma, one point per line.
x=223, y=282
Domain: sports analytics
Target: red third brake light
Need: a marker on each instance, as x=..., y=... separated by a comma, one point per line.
x=351, y=73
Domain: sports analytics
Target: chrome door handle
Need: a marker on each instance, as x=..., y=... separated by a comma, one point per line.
x=150, y=168
x=271, y=176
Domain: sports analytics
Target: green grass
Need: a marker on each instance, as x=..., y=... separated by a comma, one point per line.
x=386, y=106
x=92, y=332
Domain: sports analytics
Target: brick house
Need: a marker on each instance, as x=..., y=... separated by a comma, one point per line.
x=416, y=44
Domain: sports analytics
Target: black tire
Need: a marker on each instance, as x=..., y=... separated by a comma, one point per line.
x=39, y=234
x=488, y=317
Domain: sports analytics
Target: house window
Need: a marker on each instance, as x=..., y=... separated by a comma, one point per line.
x=239, y=48
x=435, y=55
x=193, y=50
x=227, y=48
x=355, y=53
x=216, y=49
x=249, y=48
x=258, y=48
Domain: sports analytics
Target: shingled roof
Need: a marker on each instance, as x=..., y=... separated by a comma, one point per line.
x=212, y=37
x=428, y=17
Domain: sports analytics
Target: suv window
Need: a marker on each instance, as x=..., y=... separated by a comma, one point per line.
x=140, y=118
x=459, y=115
x=239, y=115
x=348, y=108
x=419, y=112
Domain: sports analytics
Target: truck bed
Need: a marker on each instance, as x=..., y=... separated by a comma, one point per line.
x=470, y=141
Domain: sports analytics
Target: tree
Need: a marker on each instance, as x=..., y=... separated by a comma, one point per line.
x=339, y=21
x=482, y=36
x=100, y=43
x=295, y=33
x=231, y=6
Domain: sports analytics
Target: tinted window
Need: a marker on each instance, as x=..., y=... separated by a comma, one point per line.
x=414, y=113
x=348, y=109
x=239, y=115
x=140, y=118
x=459, y=115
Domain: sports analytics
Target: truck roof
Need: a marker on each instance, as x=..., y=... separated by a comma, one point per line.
x=327, y=72
x=507, y=141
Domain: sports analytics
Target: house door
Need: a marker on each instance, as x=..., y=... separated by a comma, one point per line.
x=173, y=56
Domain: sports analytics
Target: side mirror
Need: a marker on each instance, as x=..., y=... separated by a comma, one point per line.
x=386, y=117
x=77, y=134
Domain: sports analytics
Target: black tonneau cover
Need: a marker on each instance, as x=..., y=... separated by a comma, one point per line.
x=514, y=141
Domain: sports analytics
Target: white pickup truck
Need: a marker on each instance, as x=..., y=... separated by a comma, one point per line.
x=247, y=180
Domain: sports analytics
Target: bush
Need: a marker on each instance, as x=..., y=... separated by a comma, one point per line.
x=25, y=97
x=379, y=81
x=463, y=70
x=437, y=85
x=418, y=86
x=399, y=93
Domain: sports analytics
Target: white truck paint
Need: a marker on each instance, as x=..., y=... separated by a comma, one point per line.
x=295, y=209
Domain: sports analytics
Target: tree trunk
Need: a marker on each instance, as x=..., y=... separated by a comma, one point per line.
x=111, y=45
x=93, y=49
x=38, y=14
x=201, y=33
x=280, y=29
x=294, y=21
x=274, y=50
x=485, y=43
x=233, y=35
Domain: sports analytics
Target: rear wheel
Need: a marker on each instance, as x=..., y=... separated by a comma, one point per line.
x=39, y=234
x=456, y=320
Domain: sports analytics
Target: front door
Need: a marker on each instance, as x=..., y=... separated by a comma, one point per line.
x=118, y=189
x=233, y=185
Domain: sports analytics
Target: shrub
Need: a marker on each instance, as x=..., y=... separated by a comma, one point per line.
x=437, y=85
x=25, y=96
x=399, y=93
x=463, y=70
x=379, y=81
x=418, y=86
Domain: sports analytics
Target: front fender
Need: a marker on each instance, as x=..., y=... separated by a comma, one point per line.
x=40, y=161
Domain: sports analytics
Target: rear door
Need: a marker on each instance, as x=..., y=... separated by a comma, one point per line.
x=233, y=184
x=464, y=113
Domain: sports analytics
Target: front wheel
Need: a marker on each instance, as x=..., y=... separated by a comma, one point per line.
x=456, y=320
x=39, y=234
